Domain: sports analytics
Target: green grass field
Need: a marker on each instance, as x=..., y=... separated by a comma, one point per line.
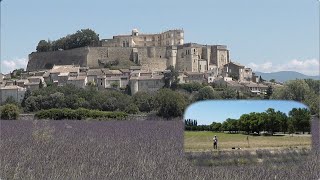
x=202, y=141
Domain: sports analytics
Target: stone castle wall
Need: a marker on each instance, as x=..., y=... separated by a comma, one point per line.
x=41, y=60
x=107, y=54
x=151, y=58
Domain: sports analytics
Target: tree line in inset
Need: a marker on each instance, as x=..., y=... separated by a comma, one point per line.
x=270, y=121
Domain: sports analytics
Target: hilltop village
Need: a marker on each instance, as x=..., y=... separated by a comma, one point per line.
x=139, y=61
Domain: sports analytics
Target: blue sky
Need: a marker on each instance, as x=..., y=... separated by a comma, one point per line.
x=206, y=112
x=267, y=36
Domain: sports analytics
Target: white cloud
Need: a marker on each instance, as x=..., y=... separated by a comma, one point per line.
x=10, y=65
x=307, y=67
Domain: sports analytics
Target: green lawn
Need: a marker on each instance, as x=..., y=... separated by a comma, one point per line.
x=202, y=141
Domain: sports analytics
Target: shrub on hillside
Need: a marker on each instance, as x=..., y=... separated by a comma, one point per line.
x=132, y=109
x=9, y=112
x=170, y=103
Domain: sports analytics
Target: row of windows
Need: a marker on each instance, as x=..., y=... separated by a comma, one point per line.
x=125, y=44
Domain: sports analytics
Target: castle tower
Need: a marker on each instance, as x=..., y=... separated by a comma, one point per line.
x=135, y=32
x=172, y=56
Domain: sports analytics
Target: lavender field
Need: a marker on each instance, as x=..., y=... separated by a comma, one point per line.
x=119, y=150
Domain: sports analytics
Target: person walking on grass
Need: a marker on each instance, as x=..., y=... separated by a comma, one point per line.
x=215, y=142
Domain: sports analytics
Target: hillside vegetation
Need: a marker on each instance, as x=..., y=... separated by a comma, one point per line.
x=82, y=38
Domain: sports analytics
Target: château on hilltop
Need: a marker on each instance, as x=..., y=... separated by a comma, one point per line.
x=136, y=61
x=154, y=52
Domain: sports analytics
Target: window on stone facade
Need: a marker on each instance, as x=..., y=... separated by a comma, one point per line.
x=160, y=56
x=194, y=51
x=145, y=38
x=145, y=44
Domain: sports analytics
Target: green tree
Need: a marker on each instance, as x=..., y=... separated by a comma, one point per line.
x=216, y=126
x=43, y=46
x=291, y=128
x=255, y=122
x=132, y=109
x=314, y=85
x=144, y=101
x=82, y=38
x=244, y=123
x=26, y=95
x=229, y=93
x=231, y=125
x=272, y=122
x=171, y=78
x=298, y=90
x=31, y=104
x=170, y=103
x=206, y=93
x=300, y=118
x=9, y=112
x=191, y=87
x=268, y=93
x=283, y=121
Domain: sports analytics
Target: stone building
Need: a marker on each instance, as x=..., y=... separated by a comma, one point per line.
x=79, y=81
x=236, y=70
x=200, y=58
x=194, y=77
x=62, y=73
x=136, y=39
x=14, y=91
x=211, y=75
x=92, y=75
x=146, y=83
x=256, y=88
x=153, y=52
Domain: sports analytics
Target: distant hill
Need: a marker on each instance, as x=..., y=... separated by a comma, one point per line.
x=283, y=76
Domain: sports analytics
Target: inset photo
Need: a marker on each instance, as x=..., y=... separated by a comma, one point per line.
x=247, y=132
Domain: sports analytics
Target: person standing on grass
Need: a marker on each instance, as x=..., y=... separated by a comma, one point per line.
x=215, y=142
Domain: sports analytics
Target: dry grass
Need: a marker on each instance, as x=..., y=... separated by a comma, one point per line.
x=202, y=141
